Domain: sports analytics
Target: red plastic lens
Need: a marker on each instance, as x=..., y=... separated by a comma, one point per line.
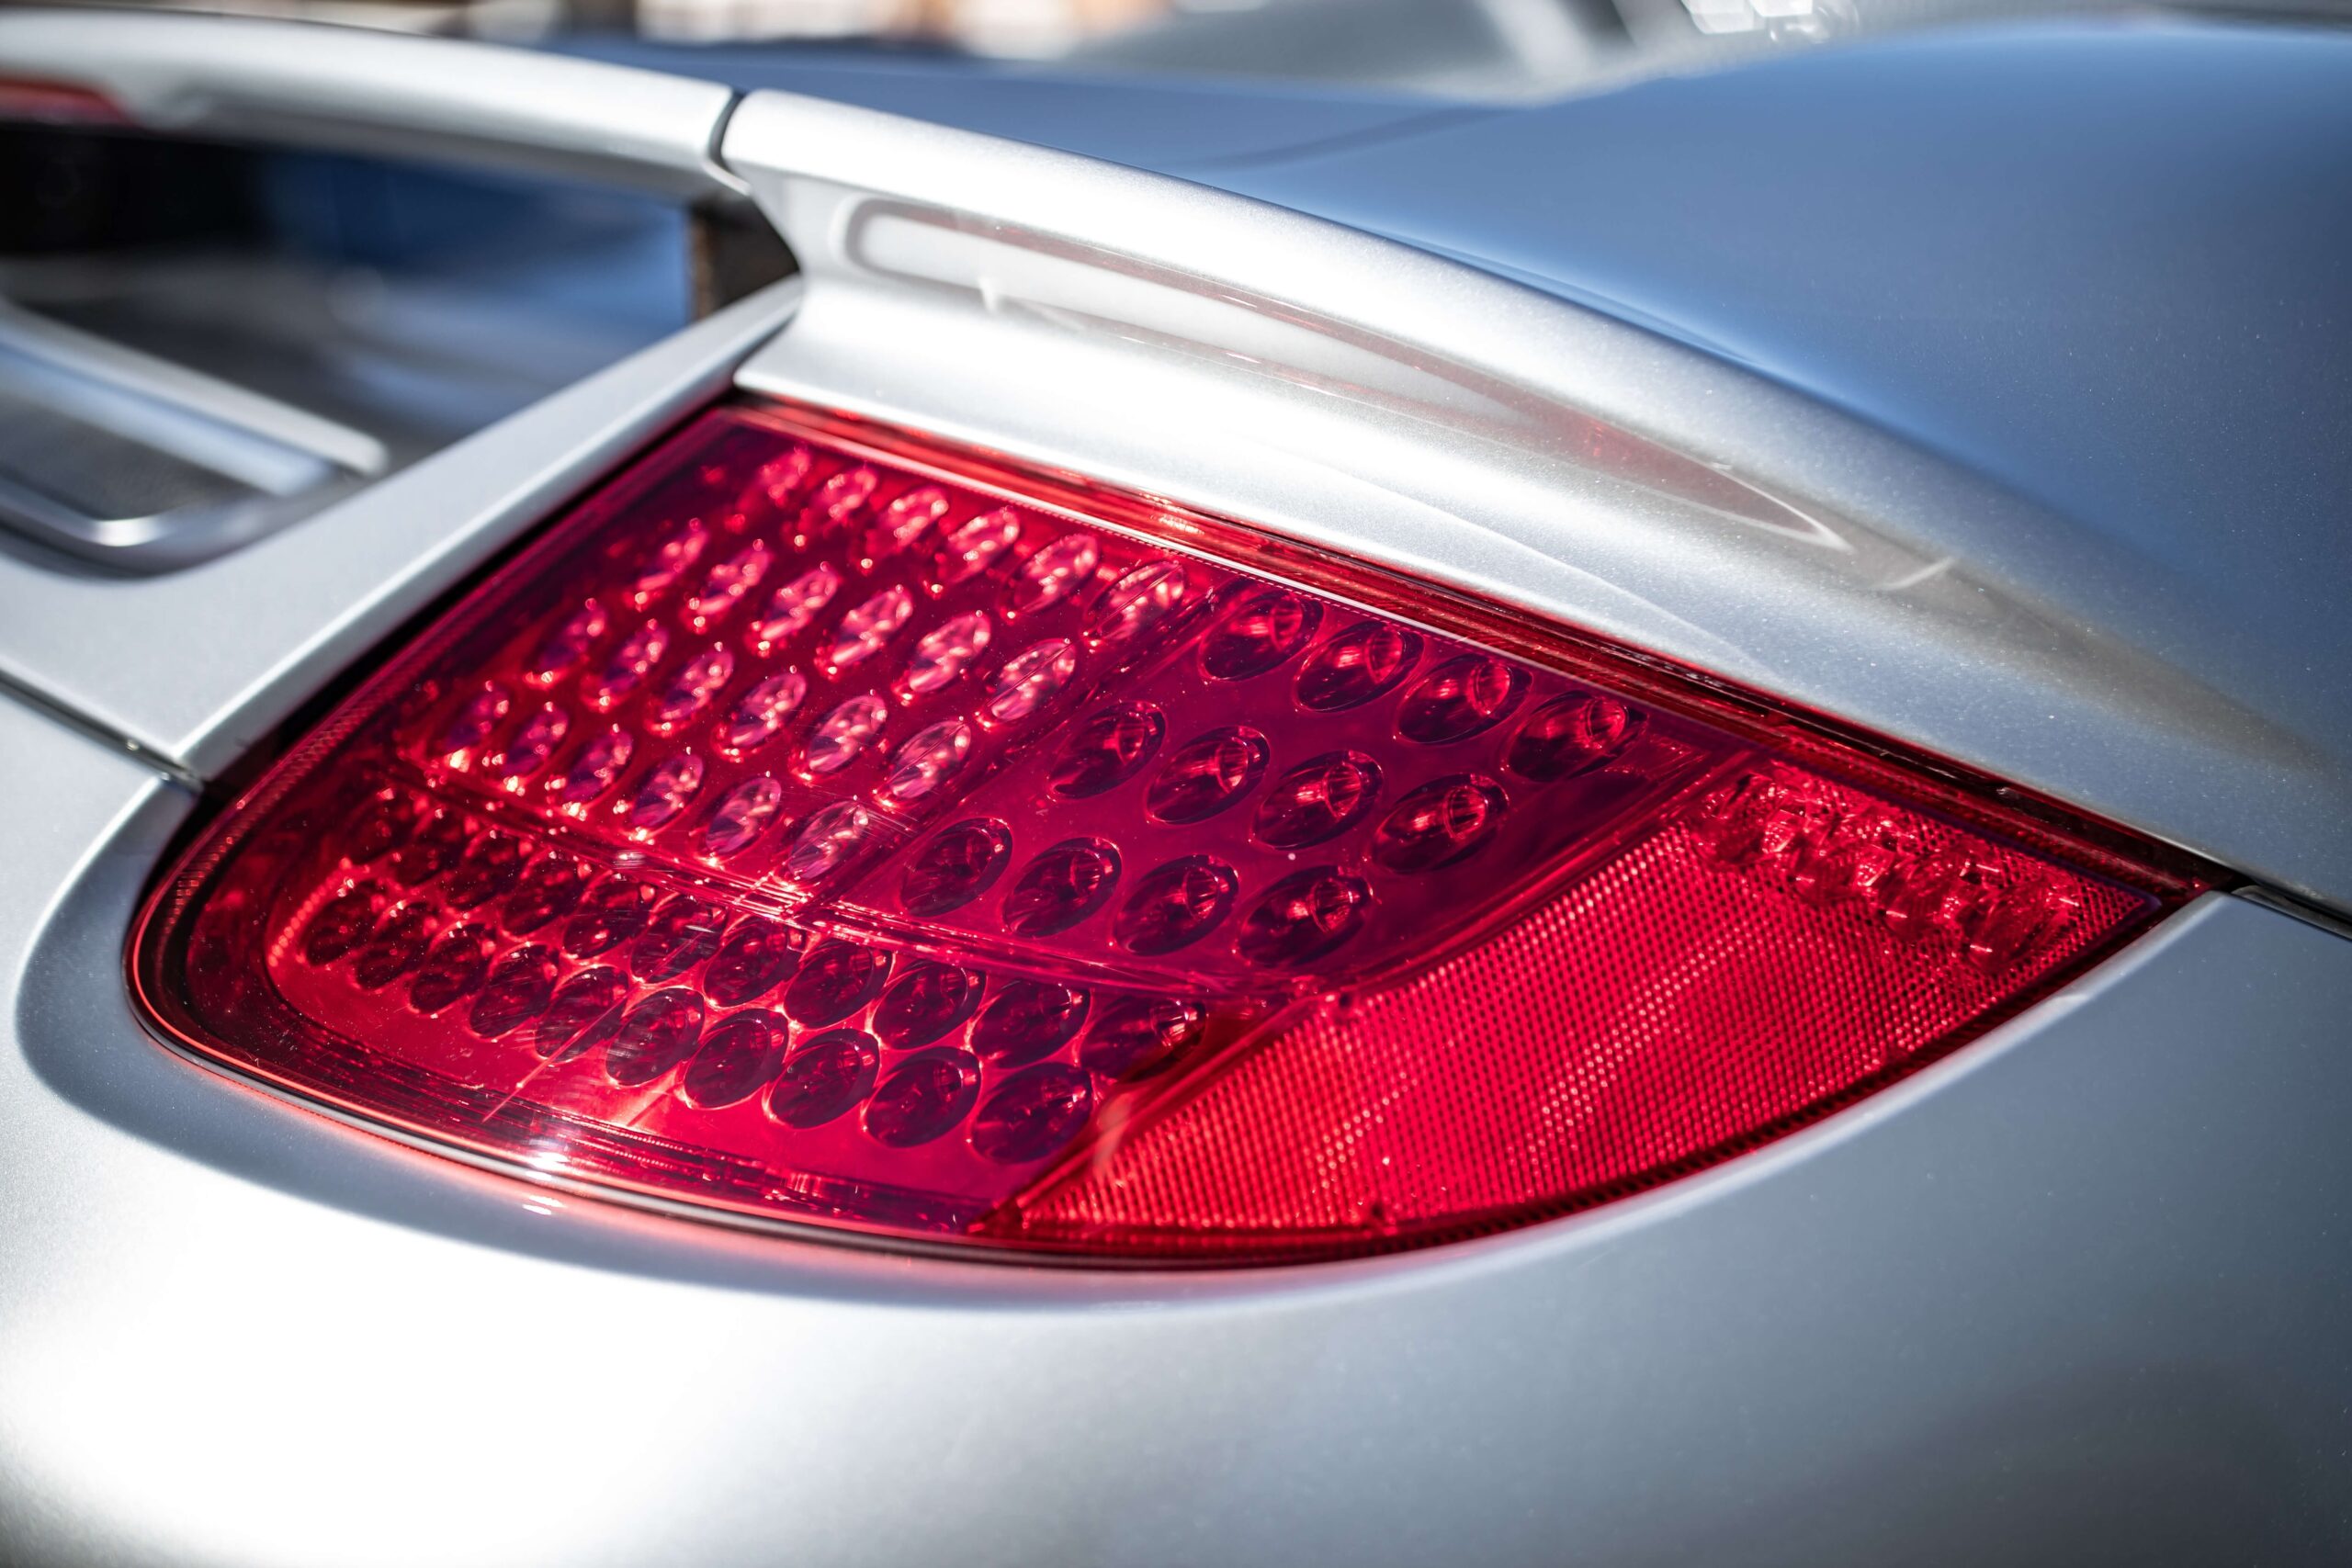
x=819, y=826
x=1207, y=776
x=57, y=103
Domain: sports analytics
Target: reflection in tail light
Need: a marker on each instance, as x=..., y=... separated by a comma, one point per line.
x=822, y=826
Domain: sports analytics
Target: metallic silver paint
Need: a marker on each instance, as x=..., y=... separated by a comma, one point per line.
x=367, y=92
x=1350, y=391
x=1355, y=392
x=2042, y=1303
x=196, y=665
x=2074, y=1294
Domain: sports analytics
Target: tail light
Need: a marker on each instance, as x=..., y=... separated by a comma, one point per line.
x=57, y=103
x=822, y=826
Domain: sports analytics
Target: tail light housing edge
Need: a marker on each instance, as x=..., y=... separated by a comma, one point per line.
x=827, y=826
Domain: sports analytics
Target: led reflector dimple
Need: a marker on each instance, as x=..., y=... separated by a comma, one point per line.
x=818, y=827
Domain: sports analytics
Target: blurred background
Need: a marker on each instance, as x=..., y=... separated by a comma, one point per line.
x=1464, y=49
x=1491, y=49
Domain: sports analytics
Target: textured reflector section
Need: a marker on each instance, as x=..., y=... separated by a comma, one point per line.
x=1676, y=1006
x=820, y=827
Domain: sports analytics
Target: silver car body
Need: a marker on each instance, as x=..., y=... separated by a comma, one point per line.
x=2077, y=1293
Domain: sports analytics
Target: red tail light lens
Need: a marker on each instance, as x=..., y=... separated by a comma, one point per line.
x=823, y=827
x=57, y=103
